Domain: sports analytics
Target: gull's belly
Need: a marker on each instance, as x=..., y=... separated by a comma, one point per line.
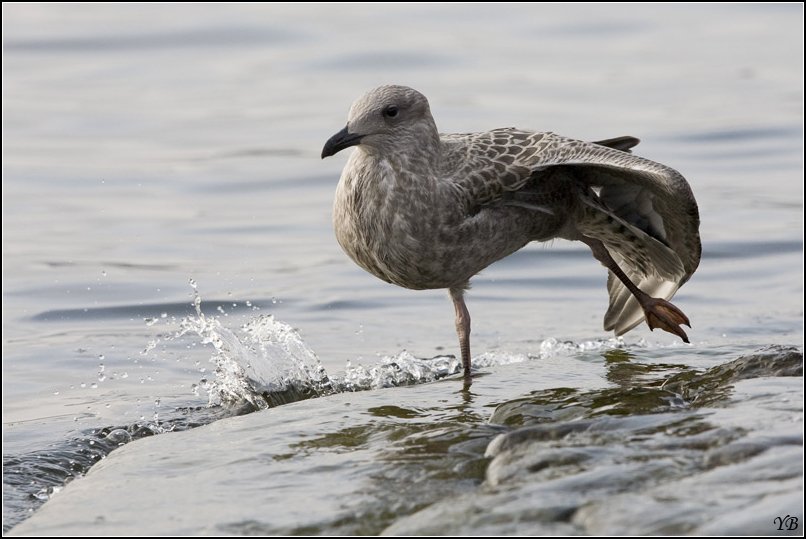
x=395, y=255
x=427, y=252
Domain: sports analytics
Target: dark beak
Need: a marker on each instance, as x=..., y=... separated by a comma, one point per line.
x=339, y=141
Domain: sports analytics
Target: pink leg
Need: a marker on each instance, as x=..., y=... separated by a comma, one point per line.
x=462, y=327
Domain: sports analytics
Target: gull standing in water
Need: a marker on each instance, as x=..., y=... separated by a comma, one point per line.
x=426, y=210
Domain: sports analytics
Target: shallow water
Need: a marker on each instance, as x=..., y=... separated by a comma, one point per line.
x=148, y=146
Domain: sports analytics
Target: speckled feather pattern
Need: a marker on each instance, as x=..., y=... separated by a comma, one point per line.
x=426, y=210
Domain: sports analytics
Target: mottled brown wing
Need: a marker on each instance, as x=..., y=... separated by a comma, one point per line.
x=652, y=198
x=644, y=193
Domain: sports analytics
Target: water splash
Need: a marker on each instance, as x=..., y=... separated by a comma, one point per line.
x=399, y=370
x=265, y=364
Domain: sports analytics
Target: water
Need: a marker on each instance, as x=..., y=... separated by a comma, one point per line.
x=148, y=146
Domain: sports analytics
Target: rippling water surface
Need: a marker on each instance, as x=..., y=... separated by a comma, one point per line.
x=169, y=268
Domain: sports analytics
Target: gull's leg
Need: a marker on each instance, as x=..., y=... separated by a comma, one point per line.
x=462, y=327
x=659, y=312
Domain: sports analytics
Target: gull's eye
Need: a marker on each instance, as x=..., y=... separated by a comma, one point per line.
x=390, y=111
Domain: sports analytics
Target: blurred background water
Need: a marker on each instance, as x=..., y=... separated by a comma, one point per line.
x=156, y=154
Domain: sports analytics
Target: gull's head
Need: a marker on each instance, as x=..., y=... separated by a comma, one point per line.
x=385, y=117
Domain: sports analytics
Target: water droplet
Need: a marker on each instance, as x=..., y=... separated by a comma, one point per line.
x=101, y=366
x=55, y=392
x=94, y=385
x=45, y=493
x=119, y=436
x=124, y=375
x=157, y=402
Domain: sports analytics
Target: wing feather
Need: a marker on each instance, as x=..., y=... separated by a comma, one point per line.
x=653, y=201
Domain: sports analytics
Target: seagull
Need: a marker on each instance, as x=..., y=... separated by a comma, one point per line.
x=425, y=210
